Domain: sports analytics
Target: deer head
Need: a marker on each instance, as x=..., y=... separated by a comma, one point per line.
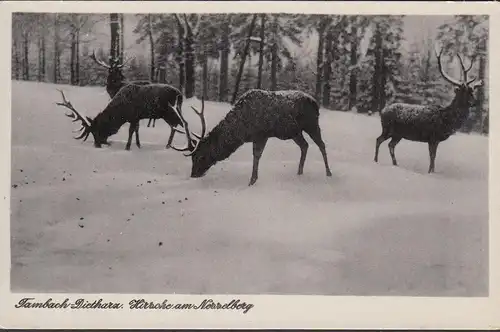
x=115, y=74
x=464, y=89
x=87, y=124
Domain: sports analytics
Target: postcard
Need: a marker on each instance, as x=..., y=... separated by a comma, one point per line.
x=249, y=165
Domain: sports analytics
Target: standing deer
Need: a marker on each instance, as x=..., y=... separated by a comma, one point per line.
x=116, y=80
x=430, y=124
x=131, y=104
x=256, y=116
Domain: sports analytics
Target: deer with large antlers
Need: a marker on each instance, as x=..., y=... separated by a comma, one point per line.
x=428, y=124
x=131, y=104
x=116, y=80
x=256, y=116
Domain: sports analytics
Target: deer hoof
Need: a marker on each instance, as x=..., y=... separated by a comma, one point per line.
x=252, y=181
x=328, y=173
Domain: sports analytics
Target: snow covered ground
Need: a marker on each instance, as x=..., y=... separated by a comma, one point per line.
x=115, y=221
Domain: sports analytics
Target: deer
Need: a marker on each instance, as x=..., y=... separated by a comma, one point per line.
x=256, y=116
x=429, y=124
x=116, y=80
x=131, y=104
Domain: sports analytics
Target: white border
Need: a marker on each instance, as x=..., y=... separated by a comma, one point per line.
x=269, y=311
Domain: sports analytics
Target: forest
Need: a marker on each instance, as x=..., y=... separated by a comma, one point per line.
x=358, y=64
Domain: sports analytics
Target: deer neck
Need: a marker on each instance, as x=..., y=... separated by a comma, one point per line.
x=106, y=125
x=218, y=145
x=113, y=86
x=457, y=111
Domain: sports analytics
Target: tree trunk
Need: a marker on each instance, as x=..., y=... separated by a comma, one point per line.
x=72, y=58
x=319, y=60
x=17, y=64
x=26, y=56
x=40, y=59
x=383, y=82
x=274, y=57
x=180, y=56
x=247, y=81
x=481, y=94
x=189, y=60
x=43, y=57
x=77, y=59
x=162, y=74
x=152, y=49
x=242, y=61
x=122, y=38
x=377, y=73
x=327, y=67
x=56, y=49
x=205, y=76
x=353, y=79
x=224, y=61
x=427, y=67
x=261, y=49
x=114, y=25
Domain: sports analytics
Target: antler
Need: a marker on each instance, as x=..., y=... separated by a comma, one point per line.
x=99, y=61
x=476, y=84
x=105, y=65
x=186, y=128
x=465, y=71
x=443, y=73
x=76, y=116
x=202, y=118
x=185, y=124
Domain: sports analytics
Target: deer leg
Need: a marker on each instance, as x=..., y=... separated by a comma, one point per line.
x=392, y=146
x=315, y=134
x=137, y=141
x=149, y=122
x=154, y=122
x=381, y=139
x=303, y=145
x=432, y=153
x=258, y=148
x=170, y=138
x=131, y=130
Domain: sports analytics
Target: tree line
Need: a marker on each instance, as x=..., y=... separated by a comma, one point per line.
x=358, y=63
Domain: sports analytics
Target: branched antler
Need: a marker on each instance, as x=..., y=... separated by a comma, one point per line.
x=190, y=146
x=76, y=116
x=99, y=61
x=441, y=70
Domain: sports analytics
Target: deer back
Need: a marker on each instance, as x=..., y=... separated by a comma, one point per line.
x=281, y=114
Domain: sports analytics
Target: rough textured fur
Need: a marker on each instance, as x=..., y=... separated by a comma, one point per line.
x=115, y=80
x=257, y=116
x=131, y=104
x=429, y=124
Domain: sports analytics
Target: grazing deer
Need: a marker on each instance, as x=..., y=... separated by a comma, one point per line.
x=256, y=116
x=131, y=104
x=116, y=80
x=430, y=124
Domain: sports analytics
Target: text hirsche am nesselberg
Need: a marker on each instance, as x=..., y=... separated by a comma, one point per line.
x=135, y=304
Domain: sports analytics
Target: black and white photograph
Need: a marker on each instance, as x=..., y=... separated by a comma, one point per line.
x=252, y=153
